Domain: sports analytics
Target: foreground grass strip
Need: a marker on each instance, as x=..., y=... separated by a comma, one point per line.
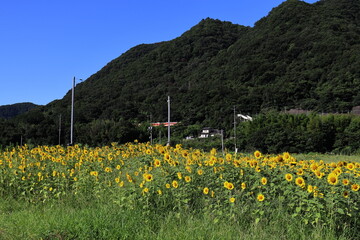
x=98, y=220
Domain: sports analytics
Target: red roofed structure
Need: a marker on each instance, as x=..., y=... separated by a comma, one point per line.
x=163, y=124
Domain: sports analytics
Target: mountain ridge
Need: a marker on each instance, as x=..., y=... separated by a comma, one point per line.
x=12, y=110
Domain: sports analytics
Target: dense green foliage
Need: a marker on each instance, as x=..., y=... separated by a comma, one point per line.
x=10, y=111
x=299, y=56
x=277, y=132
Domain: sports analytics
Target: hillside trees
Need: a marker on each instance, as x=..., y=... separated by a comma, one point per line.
x=278, y=132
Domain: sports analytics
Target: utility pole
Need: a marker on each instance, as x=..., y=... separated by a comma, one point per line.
x=151, y=132
x=168, y=143
x=222, y=141
x=235, y=131
x=72, y=115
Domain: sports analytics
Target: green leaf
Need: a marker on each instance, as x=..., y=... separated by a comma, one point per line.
x=298, y=209
x=340, y=210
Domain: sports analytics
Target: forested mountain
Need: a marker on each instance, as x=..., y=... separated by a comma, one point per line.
x=299, y=56
x=12, y=110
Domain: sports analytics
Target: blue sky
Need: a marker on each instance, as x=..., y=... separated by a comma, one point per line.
x=45, y=43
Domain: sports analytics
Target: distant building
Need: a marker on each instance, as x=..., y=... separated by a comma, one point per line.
x=298, y=111
x=356, y=110
x=163, y=124
x=209, y=132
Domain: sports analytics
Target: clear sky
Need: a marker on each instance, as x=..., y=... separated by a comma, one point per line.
x=45, y=43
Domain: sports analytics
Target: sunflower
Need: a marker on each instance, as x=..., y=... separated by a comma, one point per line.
x=300, y=172
x=243, y=186
x=333, y=165
x=213, y=151
x=300, y=182
x=228, y=185
x=129, y=178
x=314, y=167
x=257, y=154
x=264, y=181
x=148, y=177
x=355, y=187
x=145, y=190
x=185, y=153
x=206, y=190
x=187, y=179
x=350, y=166
x=319, y=174
x=212, y=161
x=200, y=172
x=286, y=156
x=310, y=189
x=179, y=175
x=157, y=163
x=340, y=164
x=345, y=182
x=332, y=179
x=168, y=185
x=175, y=184
x=232, y=199
x=337, y=171
x=253, y=164
x=260, y=197
x=288, y=177
x=161, y=149
x=166, y=157
x=346, y=194
x=228, y=157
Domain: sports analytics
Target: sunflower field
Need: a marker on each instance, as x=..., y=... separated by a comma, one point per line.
x=162, y=179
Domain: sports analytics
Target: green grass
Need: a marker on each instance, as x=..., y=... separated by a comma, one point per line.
x=327, y=158
x=99, y=219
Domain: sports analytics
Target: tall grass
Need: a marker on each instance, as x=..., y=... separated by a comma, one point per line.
x=101, y=219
